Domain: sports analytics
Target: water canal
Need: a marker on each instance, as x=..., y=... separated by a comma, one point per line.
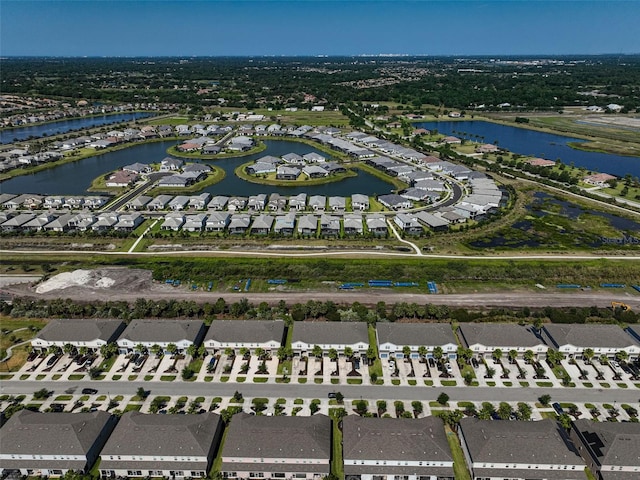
x=63, y=126
x=540, y=144
x=74, y=178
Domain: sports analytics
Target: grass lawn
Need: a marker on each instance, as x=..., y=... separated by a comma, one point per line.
x=354, y=381
x=132, y=407
x=63, y=398
x=460, y=469
x=260, y=380
x=302, y=380
x=544, y=384
x=167, y=378
x=428, y=383
x=449, y=383
x=336, y=459
x=76, y=376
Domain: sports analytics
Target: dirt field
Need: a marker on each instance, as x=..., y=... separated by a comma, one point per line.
x=129, y=284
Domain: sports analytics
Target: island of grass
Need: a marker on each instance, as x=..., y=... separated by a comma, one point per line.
x=301, y=180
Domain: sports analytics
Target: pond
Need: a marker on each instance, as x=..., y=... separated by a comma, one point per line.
x=553, y=223
x=74, y=178
x=540, y=144
x=63, y=126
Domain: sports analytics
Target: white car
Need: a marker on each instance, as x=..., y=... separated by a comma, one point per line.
x=448, y=367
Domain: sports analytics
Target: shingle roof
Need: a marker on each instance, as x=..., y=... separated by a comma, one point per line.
x=36, y=433
x=248, y=331
x=497, y=335
x=278, y=437
x=611, y=443
x=163, y=435
x=415, y=334
x=397, y=439
x=81, y=330
x=314, y=333
x=522, y=442
x=589, y=335
x=142, y=330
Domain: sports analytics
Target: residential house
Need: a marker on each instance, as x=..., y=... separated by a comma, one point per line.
x=105, y=221
x=485, y=338
x=15, y=223
x=138, y=168
x=396, y=448
x=308, y=225
x=267, y=335
x=121, y=178
x=408, y=223
x=169, y=164
x=395, y=202
x=93, y=202
x=199, y=202
x=611, y=450
x=376, y=225
x=314, y=157
x=318, y=203
x=139, y=203
x=359, y=202
x=328, y=336
x=574, y=339
x=276, y=202
x=53, y=202
x=161, y=446
x=240, y=143
x=353, y=224
x=599, y=179
x=437, y=224
x=38, y=222
x=260, y=168
x=219, y=202
x=337, y=204
x=280, y=447
x=91, y=333
x=257, y=203
x=314, y=171
x=285, y=224
x=236, y=204
x=160, y=202
x=217, y=221
x=196, y=168
x=329, y=225
x=179, y=202
x=173, y=221
x=239, y=224
x=393, y=337
x=128, y=223
x=82, y=221
x=161, y=332
x=60, y=224
x=298, y=202
x=262, y=225
x=284, y=172
x=519, y=450
x=293, y=159
x=51, y=444
x=194, y=223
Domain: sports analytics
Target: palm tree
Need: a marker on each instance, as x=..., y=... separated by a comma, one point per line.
x=156, y=349
x=497, y=355
x=316, y=351
x=406, y=351
x=108, y=350
x=438, y=354
x=141, y=349
x=588, y=355
x=172, y=348
x=422, y=351
x=622, y=356
x=69, y=349
x=192, y=350
x=513, y=354
x=333, y=354
x=348, y=352
x=529, y=356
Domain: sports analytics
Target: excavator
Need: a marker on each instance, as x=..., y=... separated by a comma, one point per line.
x=622, y=306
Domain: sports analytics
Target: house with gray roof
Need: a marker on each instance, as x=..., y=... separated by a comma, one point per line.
x=262, y=225
x=330, y=335
x=16, y=223
x=181, y=333
x=611, y=450
x=280, y=447
x=217, y=221
x=318, y=203
x=285, y=224
x=284, y=172
x=251, y=334
x=337, y=204
x=82, y=221
x=139, y=203
x=408, y=223
x=160, y=202
x=314, y=171
x=173, y=221
x=194, y=223
x=199, y=202
x=179, y=202
x=314, y=157
x=38, y=222
x=196, y=168
x=219, y=202
x=298, y=202
x=169, y=164
x=395, y=201
x=484, y=338
x=128, y=223
x=156, y=446
x=236, y=203
x=51, y=444
x=400, y=448
x=419, y=195
x=276, y=202
x=257, y=203
x=329, y=225
x=260, y=168
x=60, y=224
x=393, y=337
x=353, y=224
x=574, y=339
x=105, y=221
x=91, y=333
x=377, y=225
x=519, y=449
x=359, y=202
x=239, y=224
x=308, y=225
x=293, y=158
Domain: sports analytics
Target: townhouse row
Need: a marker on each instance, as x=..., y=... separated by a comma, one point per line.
x=264, y=447
x=483, y=339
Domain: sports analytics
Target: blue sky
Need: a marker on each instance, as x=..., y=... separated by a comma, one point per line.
x=237, y=27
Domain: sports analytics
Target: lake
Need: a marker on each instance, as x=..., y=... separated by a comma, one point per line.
x=539, y=144
x=75, y=178
x=64, y=126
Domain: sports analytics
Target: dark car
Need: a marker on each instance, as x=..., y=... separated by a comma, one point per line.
x=556, y=406
x=332, y=395
x=89, y=391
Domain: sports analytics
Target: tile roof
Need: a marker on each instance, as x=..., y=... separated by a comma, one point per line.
x=82, y=330
x=314, y=333
x=144, y=330
x=416, y=334
x=248, y=331
x=589, y=335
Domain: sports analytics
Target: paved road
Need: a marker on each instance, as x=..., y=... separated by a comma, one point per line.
x=478, y=394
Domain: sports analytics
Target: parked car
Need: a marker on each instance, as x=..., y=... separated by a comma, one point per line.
x=89, y=391
x=556, y=406
x=332, y=395
x=449, y=368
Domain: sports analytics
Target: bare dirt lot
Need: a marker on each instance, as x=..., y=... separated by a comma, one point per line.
x=126, y=284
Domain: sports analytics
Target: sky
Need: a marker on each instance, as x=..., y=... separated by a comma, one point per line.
x=308, y=27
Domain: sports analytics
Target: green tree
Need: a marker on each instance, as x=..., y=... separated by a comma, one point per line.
x=406, y=351
x=529, y=356
x=504, y=411
x=588, y=355
x=172, y=348
x=443, y=398
x=544, y=399
x=316, y=351
x=418, y=408
x=333, y=354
